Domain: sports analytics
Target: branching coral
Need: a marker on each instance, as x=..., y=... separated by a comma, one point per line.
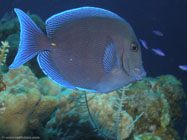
x=4, y=49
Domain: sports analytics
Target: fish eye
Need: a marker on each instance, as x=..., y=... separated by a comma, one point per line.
x=134, y=47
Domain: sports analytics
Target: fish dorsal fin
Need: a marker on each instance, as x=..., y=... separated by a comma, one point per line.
x=48, y=67
x=110, y=58
x=57, y=20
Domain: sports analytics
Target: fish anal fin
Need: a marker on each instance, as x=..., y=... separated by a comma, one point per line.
x=49, y=68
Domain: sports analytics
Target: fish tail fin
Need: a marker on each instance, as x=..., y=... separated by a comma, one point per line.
x=30, y=38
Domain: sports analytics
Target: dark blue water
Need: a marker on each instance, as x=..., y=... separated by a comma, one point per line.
x=168, y=16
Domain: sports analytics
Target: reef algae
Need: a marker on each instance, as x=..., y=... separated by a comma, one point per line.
x=26, y=108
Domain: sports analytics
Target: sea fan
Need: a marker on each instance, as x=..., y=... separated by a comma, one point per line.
x=82, y=108
x=83, y=122
x=119, y=103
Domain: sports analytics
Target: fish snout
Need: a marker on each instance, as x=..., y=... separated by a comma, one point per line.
x=139, y=73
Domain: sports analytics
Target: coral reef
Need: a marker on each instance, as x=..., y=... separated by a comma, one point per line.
x=146, y=136
x=31, y=106
x=49, y=87
x=71, y=114
x=157, y=97
x=33, y=109
x=160, y=102
x=27, y=110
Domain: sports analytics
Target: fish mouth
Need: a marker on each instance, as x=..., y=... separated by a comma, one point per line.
x=139, y=77
x=126, y=71
x=137, y=74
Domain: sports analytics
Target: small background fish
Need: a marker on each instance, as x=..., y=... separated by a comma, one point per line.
x=158, y=33
x=183, y=67
x=144, y=44
x=158, y=52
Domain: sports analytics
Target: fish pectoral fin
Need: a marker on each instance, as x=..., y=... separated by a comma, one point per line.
x=49, y=68
x=110, y=58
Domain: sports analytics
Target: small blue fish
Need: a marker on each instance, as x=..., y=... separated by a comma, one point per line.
x=144, y=44
x=158, y=33
x=158, y=52
x=87, y=48
x=183, y=67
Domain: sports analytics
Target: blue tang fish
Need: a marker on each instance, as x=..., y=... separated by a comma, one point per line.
x=86, y=48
